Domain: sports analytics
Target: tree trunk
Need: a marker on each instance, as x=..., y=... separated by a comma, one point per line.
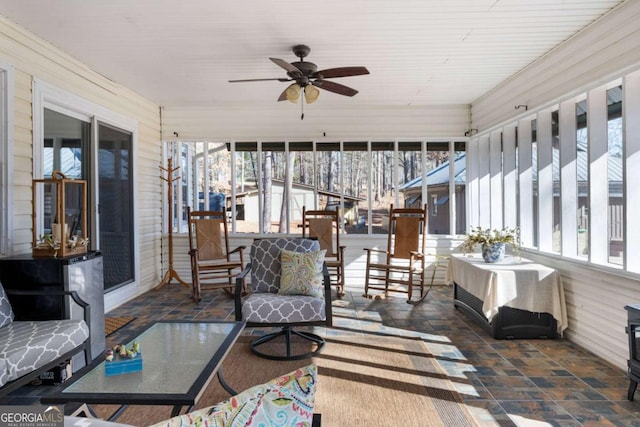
x=287, y=194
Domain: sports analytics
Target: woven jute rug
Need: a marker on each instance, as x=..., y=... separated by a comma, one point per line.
x=112, y=324
x=363, y=381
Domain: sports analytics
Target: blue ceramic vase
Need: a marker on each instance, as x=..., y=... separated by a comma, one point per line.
x=493, y=252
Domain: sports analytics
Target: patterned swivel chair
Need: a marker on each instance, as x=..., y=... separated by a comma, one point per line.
x=272, y=301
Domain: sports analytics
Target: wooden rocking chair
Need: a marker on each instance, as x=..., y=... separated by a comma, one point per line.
x=402, y=266
x=324, y=225
x=213, y=265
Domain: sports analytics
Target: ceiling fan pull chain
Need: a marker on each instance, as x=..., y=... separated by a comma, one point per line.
x=302, y=108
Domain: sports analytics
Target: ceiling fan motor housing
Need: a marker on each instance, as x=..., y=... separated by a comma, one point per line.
x=307, y=68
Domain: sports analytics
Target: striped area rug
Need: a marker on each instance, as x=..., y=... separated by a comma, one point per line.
x=368, y=381
x=112, y=324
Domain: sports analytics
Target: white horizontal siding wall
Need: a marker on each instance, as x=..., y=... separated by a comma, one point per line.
x=35, y=59
x=197, y=124
x=595, y=306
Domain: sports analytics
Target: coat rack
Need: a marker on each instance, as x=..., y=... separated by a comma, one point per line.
x=170, y=179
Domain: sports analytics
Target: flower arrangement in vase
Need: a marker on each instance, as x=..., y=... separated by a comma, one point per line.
x=493, y=242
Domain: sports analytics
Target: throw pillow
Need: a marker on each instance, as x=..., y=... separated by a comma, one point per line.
x=6, y=313
x=301, y=273
x=284, y=401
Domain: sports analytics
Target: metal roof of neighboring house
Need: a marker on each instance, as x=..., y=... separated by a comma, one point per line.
x=440, y=175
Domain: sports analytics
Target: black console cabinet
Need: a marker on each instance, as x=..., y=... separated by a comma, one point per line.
x=633, y=331
x=80, y=273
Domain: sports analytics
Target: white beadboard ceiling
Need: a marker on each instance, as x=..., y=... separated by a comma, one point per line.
x=419, y=52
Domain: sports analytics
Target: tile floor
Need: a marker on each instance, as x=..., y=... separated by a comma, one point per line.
x=503, y=382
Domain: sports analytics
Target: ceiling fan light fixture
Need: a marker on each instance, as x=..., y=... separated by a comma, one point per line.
x=311, y=94
x=293, y=93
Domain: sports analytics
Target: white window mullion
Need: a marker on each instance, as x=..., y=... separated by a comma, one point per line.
x=369, y=187
x=631, y=173
x=525, y=182
x=424, y=172
x=484, y=184
x=509, y=173
x=396, y=175
x=341, y=163
x=234, y=183
x=261, y=224
x=495, y=173
x=598, y=181
x=453, y=221
x=288, y=167
x=471, y=172
x=545, y=181
x=205, y=175
x=568, y=180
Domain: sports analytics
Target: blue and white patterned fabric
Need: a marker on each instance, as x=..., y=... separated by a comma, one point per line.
x=264, y=304
x=28, y=345
x=6, y=313
x=265, y=260
x=275, y=308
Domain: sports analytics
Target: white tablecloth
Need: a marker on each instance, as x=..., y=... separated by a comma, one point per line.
x=515, y=282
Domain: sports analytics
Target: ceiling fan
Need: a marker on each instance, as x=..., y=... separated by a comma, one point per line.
x=307, y=78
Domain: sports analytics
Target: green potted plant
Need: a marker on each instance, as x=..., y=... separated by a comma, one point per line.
x=493, y=242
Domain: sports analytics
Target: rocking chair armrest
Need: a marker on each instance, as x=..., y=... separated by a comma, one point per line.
x=416, y=254
x=380, y=251
x=237, y=295
x=238, y=249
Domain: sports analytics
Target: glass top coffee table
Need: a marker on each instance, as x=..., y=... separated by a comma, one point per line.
x=179, y=359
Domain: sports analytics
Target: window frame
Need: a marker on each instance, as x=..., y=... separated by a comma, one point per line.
x=454, y=146
x=537, y=127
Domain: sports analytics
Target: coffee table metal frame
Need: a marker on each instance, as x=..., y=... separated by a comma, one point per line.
x=81, y=387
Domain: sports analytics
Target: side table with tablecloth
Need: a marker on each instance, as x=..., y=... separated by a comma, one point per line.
x=516, y=298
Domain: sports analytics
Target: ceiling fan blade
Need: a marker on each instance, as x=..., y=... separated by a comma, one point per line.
x=260, y=80
x=283, y=95
x=284, y=64
x=334, y=87
x=341, y=72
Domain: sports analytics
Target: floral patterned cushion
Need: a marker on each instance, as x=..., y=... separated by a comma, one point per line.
x=284, y=401
x=302, y=273
x=6, y=313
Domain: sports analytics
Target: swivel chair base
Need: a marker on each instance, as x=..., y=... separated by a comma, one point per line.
x=286, y=332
